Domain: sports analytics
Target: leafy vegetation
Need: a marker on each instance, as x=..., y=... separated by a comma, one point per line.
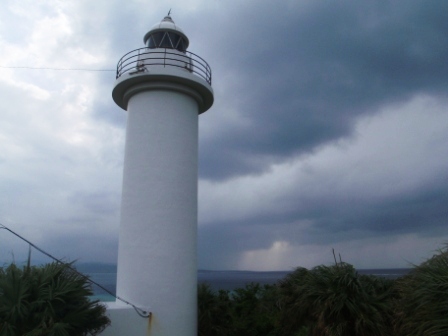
x=423, y=305
x=48, y=300
x=333, y=301
x=249, y=311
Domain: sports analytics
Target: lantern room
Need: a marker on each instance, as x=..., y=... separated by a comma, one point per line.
x=166, y=35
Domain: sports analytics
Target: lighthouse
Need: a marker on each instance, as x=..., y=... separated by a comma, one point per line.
x=163, y=87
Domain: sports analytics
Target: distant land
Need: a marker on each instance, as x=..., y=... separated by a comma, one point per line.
x=105, y=274
x=100, y=267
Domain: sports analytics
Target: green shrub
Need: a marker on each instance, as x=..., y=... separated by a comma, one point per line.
x=248, y=311
x=335, y=301
x=48, y=300
x=213, y=312
x=423, y=305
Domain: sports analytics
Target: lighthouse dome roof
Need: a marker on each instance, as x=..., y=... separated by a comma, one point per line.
x=166, y=34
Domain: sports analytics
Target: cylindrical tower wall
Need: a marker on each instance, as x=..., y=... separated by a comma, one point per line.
x=157, y=244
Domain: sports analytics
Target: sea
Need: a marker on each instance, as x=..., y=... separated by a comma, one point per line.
x=219, y=280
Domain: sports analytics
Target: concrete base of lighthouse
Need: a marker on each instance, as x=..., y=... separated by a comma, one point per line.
x=125, y=321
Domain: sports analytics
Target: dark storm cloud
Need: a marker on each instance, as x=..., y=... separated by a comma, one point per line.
x=216, y=246
x=79, y=246
x=412, y=213
x=423, y=212
x=222, y=243
x=301, y=75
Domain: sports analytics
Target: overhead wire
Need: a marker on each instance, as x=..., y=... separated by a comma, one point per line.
x=141, y=312
x=57, y=69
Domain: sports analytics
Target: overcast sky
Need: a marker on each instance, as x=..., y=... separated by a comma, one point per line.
x=329, y=128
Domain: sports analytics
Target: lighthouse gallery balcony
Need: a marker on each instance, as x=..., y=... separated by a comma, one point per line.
x=145, y=59
x=181, y=70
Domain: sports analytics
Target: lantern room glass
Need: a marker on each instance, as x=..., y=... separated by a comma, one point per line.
x=169, y=40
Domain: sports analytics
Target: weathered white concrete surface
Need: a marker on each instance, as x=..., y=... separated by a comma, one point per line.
x=157, y=244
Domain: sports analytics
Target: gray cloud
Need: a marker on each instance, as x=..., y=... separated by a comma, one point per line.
x=301, y=80
x=328, y=129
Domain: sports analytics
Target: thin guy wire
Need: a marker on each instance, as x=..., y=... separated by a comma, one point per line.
x=139, y=311
x=58, y=69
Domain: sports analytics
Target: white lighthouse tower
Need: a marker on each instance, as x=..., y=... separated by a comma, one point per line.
x=164, y=88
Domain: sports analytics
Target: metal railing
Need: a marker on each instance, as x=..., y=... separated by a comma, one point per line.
x=142, y=59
